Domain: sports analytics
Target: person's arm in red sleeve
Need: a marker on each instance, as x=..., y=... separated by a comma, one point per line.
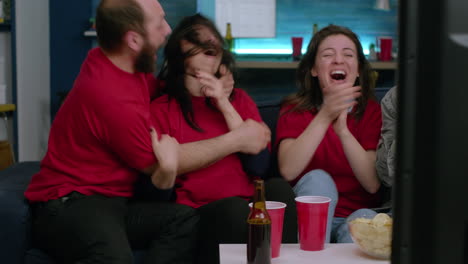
x=361, y=158
x=255, y=165
x=246, y=136
x=160, y=185
x=123, y=127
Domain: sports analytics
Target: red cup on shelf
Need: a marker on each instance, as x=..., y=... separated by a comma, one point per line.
x=296, y=47
x=385, y=45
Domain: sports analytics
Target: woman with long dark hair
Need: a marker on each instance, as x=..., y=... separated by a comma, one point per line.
x=328, y=131
x=195, y=107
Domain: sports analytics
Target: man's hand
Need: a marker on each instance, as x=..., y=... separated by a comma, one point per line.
x=166, y=151
x=253, y=136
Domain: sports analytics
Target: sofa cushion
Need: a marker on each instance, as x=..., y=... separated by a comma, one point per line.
x=14, y=211
x=15, y=218
x=270, y=112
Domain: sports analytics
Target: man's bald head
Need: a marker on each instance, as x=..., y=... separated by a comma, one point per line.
x=116, y=17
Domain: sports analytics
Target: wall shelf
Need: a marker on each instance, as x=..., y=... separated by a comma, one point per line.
x=90, y=33
x=7, y=108
x=255, y=64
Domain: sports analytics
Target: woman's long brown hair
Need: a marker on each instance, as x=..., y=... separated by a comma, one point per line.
x=309, y=96
x=173, y=71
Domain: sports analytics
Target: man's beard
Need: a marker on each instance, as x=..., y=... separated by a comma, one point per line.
x=145, y=60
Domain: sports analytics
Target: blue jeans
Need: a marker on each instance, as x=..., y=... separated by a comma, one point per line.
x=320, y=183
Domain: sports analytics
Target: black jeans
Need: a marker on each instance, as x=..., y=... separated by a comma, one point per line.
x=97, y=229
x=225, y=221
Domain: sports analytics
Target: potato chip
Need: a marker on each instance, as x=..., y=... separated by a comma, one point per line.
x=373, y=236
x=381, y=219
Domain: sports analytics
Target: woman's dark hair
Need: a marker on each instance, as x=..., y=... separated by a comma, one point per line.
x=309, y=96
x=173, y=71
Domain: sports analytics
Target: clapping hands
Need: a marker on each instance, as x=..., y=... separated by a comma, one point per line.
x=337, y=100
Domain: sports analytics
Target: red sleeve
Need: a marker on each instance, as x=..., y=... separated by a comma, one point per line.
x=370, y=127
x=291, y=124
x=245, y=106
x=160, y=115
x=125, y=129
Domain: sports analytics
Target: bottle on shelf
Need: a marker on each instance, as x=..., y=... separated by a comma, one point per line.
x=259, y=224
x=314, y=29
x=6, y=10
x=92, y=23
x=2, y=18
x=229, y=38
x=372, y=53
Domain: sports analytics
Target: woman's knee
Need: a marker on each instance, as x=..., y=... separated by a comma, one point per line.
x=317, y=182
x=364, y=212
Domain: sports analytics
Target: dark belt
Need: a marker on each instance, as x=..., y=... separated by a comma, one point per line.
x=62, y=200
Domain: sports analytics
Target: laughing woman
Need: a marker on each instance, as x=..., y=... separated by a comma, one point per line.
x=196, y=107
x=328, y=131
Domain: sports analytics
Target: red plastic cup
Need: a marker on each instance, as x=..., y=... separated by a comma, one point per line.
x=297, y=46
x=312, y=214
x=385, y=44
x=276, y=212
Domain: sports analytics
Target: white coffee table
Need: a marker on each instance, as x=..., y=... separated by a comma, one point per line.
x=292, y=254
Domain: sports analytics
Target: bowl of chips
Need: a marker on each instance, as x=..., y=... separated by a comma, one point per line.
x=373, y=235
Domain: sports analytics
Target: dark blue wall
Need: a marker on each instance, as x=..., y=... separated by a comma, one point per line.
x=68, y=46
x=175, y=10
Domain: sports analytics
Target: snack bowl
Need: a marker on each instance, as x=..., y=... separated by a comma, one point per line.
x=373, y=235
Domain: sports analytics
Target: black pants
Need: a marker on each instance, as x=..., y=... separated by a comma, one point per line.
x=97, y=229
x=225, y=221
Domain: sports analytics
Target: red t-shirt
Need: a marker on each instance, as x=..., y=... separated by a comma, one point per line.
x=99, y=139
x=330, y=155
x=225, y=178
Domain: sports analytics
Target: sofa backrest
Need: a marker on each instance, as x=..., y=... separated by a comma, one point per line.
x=270, y=112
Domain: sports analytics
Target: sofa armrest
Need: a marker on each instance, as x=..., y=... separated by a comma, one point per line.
x=15, y=222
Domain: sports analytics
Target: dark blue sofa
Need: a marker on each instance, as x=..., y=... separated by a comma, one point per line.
x=15, y=218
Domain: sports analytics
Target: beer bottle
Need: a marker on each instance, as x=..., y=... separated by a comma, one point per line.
x=259, y=222
x=229, y=39
x=314, y=29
